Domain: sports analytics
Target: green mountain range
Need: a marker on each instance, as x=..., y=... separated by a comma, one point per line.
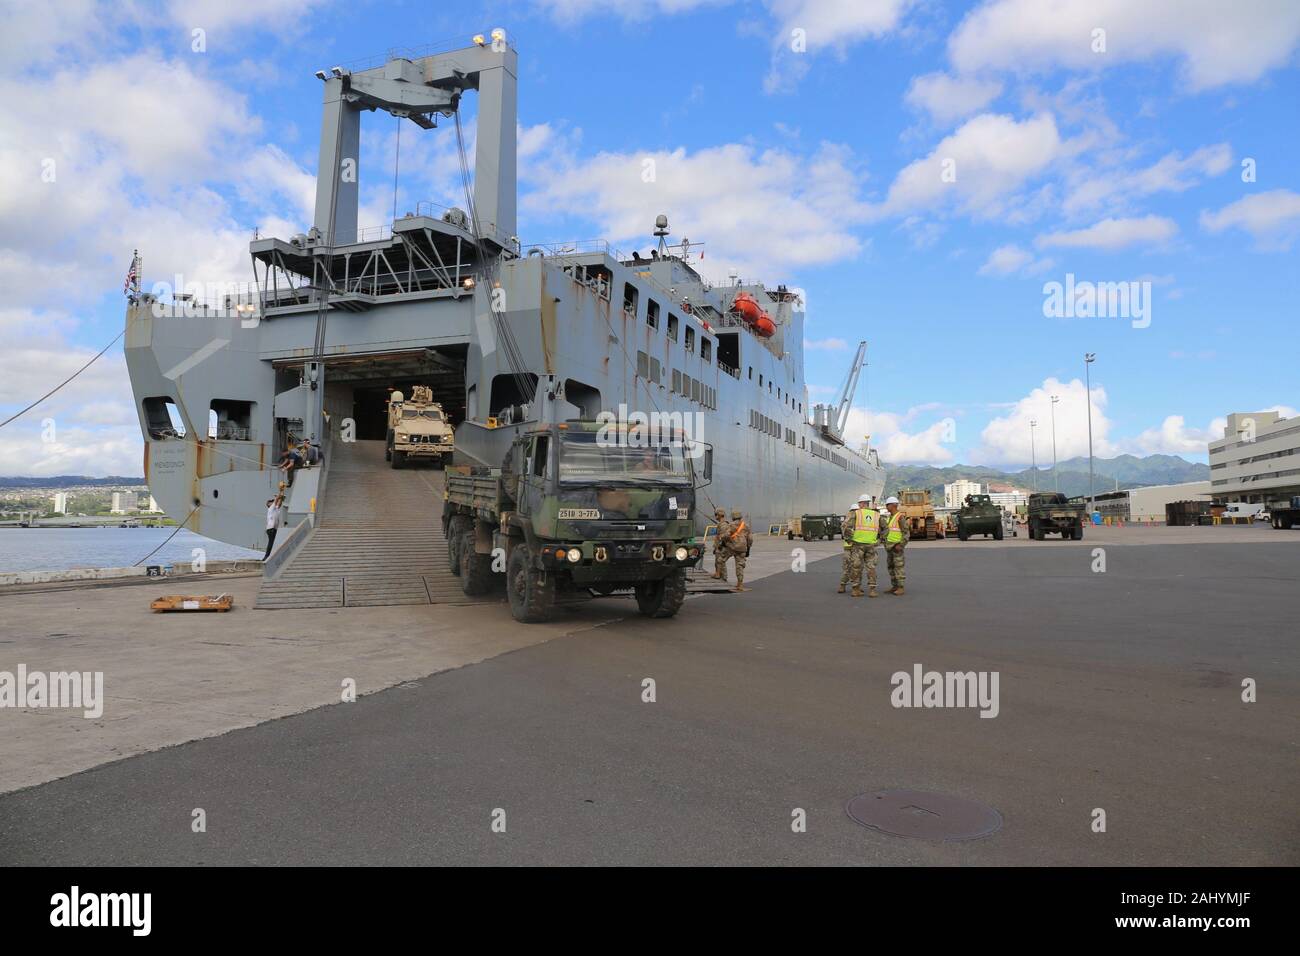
x=1123, y=471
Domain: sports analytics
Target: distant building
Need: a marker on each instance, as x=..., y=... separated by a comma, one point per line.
x=124, y=501
x=1008, y=497
x=1257, y=460
x=60, y=503
x=954, y=495
x=153, y=505
x=1146, y=504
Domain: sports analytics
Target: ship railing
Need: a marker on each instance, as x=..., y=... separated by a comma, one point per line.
x=414, y=53
x=733, y=372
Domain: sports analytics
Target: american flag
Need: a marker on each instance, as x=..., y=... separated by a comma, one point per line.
x=131, y=276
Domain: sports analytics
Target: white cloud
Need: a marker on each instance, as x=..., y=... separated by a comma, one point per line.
x=1006, y=439
x=1174, y=437
x=1272, y=217
x=573, y=11
x=1214, y=43
x=825, y=345
x=731, y=196
x=895, y=443
x=1171, y=173
x=220, y=15
x=977, y=168
x=1111, y=234
x=1009, y=259
x=947, y=98
x=826, y=25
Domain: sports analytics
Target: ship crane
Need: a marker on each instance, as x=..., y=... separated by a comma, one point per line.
x=832, y=429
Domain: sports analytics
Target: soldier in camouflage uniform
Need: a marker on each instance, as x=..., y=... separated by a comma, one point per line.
x=719, y=556
x=895, y=533
x=736, y=545
x=860, y=537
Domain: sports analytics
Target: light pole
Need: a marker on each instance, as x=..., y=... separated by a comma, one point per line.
x=1055, y=479
x=1088, y=359
x=1033, y=456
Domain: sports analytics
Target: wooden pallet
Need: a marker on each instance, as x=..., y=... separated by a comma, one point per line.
x=193, y=602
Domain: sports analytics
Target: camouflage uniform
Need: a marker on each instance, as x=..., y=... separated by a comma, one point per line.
x=857, y=557
x=894, y=556
x=719, y=555
x=736, y=545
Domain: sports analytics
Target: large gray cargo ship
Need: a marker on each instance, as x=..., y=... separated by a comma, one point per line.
x=504, y=333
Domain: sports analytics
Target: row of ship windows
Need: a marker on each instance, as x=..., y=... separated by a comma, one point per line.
x=775, y=429
x=650, y=369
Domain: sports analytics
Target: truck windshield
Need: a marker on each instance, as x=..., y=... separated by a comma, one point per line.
x=433, y=414
x=582, y=459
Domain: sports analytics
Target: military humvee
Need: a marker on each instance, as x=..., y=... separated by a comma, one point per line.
x=417, y=428
x=572, y=512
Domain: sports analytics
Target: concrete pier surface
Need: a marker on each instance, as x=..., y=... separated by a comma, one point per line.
x=1119, y=689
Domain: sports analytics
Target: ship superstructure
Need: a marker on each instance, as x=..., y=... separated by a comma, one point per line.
x=505, y=334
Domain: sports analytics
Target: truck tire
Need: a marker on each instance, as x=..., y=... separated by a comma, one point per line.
x=388, y=446
x=997, y=532
x=1077, y=534
x=962, y=535
x=399, y=459
x=475, y=568
x=662, y=598
x=453, y=552
x=531, y=592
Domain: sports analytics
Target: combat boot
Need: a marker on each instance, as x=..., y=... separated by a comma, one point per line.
x=871, y=592
x=898, y=591
x=840, y=589
x=857, y=592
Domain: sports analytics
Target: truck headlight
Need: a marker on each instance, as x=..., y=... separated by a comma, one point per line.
x=682, y=554
x=575, y=555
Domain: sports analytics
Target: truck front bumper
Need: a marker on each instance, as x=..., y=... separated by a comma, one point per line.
x=611, y=561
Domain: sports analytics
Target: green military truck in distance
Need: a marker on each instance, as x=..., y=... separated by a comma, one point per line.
x=568, y=514
x=979, y=515
x=1051, y=512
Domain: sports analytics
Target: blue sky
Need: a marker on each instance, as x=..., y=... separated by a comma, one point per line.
x=920, y=169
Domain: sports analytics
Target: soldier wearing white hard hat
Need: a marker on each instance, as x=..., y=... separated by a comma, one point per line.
x=894, y=529
x=861, y=534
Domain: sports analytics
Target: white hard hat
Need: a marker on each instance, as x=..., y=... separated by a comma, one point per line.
x=864, y=498
x=891, y=500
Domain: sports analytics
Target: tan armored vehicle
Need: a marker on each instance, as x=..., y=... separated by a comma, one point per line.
x=417, y=428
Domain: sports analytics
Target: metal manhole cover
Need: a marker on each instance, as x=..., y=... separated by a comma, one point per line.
x=926, y=816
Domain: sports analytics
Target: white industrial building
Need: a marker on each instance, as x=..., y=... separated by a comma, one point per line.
x=1257, y=460
x=1147, y=504
x=61, y=503
x=123, y=502
x=1008, y=501
x=954, y=495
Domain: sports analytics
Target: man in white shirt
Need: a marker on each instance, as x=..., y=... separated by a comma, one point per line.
x=273, y=506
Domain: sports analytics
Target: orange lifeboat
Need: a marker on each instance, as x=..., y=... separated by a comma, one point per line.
x=765, y=326
x=747, y=306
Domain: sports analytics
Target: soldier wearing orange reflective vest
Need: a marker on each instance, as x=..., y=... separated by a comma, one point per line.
x=893, y=528
x=861, y=535
x=736, y=544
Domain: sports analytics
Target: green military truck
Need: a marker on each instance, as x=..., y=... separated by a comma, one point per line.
x=572, y=513
x=979, y=515
x=1050, y=512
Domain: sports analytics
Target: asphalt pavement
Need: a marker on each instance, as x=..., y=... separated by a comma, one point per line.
x=1120, y=691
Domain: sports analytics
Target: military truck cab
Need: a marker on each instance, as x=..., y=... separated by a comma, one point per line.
x=1052, y=512
x=575, y=510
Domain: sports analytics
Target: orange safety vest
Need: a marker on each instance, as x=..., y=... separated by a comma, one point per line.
x=739, y=528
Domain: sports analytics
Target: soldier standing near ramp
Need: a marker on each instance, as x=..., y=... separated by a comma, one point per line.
x=862, y=532
x=719, y=555
x=736, y=545
x=896, y=534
